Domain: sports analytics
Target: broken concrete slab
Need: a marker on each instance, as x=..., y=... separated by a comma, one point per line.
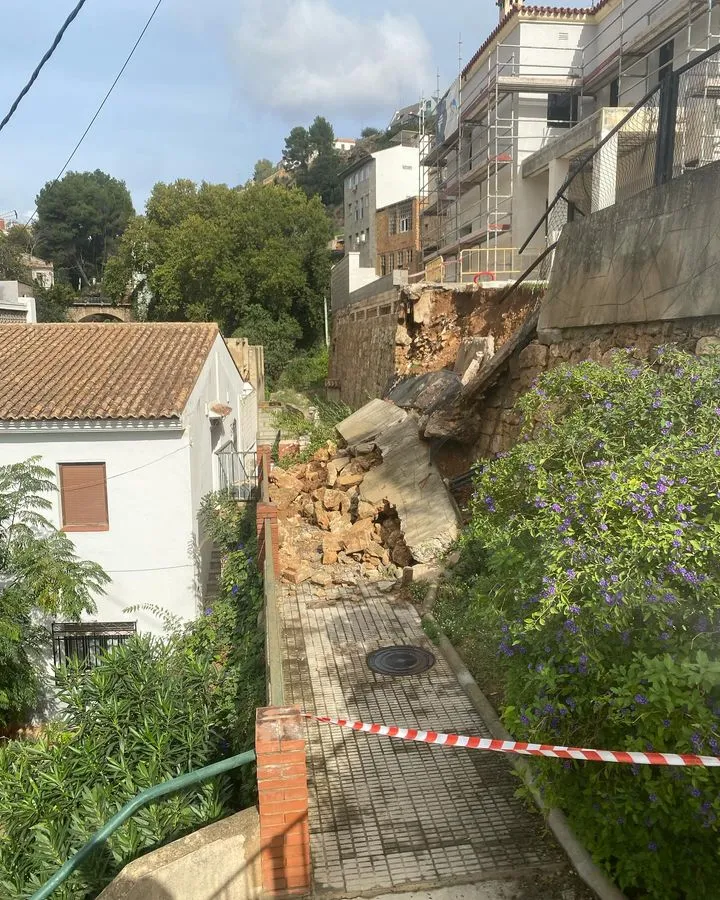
x=408, y=480
x=366, y=423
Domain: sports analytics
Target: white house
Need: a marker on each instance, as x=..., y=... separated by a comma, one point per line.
x=138, y=422
x=16, y=302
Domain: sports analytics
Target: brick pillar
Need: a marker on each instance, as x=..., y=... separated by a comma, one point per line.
x=267, y=511
x=264, y=457
x=283, y=802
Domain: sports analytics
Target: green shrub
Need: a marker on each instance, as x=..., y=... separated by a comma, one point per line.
x=150, y=710
x=594, y=547
x=306, y=372
x=317, y=432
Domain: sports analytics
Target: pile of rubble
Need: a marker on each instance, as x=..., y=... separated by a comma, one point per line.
x=326, y=521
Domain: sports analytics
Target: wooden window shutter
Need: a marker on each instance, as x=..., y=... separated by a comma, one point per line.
x=83, y=494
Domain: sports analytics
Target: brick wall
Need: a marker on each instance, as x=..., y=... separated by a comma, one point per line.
x=499, y=424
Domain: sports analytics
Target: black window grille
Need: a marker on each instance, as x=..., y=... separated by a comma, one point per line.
x=88, y=640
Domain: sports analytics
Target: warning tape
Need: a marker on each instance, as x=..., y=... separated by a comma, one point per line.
x=650, y=758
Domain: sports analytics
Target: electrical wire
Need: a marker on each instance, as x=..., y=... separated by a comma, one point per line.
x=33, y=78
x=153, y=569
x=102, y=105
x=152, y=462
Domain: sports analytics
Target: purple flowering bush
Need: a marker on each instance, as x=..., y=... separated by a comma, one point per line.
x=593, y=557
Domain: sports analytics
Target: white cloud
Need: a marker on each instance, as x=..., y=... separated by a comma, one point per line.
x=307, y=57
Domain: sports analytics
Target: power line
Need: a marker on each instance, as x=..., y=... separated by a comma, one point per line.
x=104, y=101
x=33, y=77
x=152, y=462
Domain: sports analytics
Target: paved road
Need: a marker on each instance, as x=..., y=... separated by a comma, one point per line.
x=387, y=814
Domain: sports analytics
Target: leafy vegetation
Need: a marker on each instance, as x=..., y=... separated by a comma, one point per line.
x=317, y=431
x=80, y=220
x=306, y=372
x=214, y=253
x=40, y=576
x=149, y=711
x=593, y=561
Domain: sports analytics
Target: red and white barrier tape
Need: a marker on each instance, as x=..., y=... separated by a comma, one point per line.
x=650, y=758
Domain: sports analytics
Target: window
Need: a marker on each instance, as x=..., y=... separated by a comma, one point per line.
x=392, y=223
x=615, y=92
x=665, y=61
x=88, y=640
x=405, y=223
x=83, y=497
x=391, y=262
x=562, y=110
x=383, y=265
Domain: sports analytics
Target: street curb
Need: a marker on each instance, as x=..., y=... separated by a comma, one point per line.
x=581, y=860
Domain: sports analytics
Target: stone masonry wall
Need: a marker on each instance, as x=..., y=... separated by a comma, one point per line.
x=498, y=424
x=414, y=329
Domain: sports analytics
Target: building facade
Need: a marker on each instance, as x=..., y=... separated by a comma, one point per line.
x=545, y=77
x=397, y=237
x=374, y=182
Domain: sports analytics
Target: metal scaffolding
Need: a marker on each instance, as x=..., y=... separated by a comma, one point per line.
x=471, y=170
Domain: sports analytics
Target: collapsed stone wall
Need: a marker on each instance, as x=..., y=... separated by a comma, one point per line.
x=415, y=329
x=489, y=424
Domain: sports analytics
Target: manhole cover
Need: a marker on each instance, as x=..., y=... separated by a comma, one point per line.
x=400, y=660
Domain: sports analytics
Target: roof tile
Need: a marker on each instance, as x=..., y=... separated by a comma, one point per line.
x=97, y=370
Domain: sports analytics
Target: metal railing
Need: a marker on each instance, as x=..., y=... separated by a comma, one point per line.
x=138, y=802
x=238, y=473
x=673, y=129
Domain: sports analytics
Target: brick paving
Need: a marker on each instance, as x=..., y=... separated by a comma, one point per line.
x=387, y=813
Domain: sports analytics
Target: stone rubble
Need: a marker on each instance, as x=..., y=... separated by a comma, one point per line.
x=329, y=532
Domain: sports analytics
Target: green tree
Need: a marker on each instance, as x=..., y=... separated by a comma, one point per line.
x=298, y=149
x=321, y=135
x=52, y=302
x=212, y=252
x=39, y=574
x=263, y=169
x=80, y=220
x=12, y=265
x=277, y=334
x=369, y=132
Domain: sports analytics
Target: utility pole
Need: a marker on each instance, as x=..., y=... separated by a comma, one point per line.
x=327, y=332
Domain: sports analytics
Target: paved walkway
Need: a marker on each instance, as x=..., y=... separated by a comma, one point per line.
x=386, y=814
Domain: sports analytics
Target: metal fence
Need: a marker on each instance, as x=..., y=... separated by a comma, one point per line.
x=673, y=129
x=238, y=473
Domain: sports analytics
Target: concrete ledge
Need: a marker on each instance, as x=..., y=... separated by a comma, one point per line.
x=581, y=860
x=218, y=862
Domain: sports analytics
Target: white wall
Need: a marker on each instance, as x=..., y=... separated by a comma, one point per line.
x=146, y=550
x=219, y=382
x=397, y=175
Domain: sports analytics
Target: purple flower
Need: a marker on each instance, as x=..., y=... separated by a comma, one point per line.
x=235, y=589
x=695, y=792
x=556, y=508
x=540, y=503
x=641, y=699
x=652, y=846
x=490, y=503
x=603, y=526
x=652, y=798
x=571, y=573
x=666, y=723
x=656, y=404
x=208, y=611
x=571, y=626
x=607, y=404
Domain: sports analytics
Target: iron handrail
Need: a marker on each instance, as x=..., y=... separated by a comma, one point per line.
x=137, y=802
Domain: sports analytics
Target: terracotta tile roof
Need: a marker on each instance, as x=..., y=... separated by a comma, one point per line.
x=99, y=371
x=552, y=12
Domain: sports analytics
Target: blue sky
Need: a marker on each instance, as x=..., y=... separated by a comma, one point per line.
x=215, y=84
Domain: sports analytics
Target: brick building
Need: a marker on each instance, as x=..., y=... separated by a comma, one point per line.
x=398, y=237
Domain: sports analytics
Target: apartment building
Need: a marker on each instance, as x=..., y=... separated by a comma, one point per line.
x=544, y=88
x=375, y=182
